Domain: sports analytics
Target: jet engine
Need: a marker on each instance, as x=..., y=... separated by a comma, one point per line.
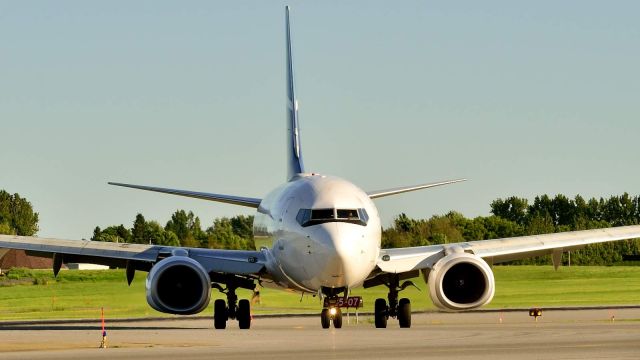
x=178, y=285
x=460, y=281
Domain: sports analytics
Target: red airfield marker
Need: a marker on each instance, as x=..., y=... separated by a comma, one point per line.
x=103, y=344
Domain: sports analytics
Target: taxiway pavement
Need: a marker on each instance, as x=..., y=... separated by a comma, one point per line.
x=572, y=334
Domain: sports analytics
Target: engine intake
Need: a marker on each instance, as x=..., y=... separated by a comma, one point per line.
x=461, y=281
x=178, y=285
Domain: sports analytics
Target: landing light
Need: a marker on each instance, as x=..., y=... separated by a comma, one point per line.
x=535, y=313
x=333, y=311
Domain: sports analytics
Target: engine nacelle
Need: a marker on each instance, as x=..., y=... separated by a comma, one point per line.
x=178, y=285
x=461, y=281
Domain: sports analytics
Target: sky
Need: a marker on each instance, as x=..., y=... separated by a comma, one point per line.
x=522, y=98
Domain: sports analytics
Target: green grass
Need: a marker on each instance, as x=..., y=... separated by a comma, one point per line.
x=569, y=286
x=33, y=294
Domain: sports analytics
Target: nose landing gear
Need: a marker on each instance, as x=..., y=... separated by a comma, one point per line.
x=327, y=316
x=331, y=312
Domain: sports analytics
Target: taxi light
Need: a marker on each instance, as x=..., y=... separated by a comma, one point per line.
x=333, y=311
x=535, y=312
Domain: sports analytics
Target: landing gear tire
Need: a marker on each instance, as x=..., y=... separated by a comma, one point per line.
x=404, y=313
x=244, y=314
x=325, y=319
x=337, y=319
x=380, y=313
x=220, y=314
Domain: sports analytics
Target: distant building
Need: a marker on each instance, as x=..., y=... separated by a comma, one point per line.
x=81, y=266
x=18, y=258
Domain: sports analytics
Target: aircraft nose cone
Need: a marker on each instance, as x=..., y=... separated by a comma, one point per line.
x=343, y=260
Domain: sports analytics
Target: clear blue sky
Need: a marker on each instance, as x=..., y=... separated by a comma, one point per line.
x=523, y=98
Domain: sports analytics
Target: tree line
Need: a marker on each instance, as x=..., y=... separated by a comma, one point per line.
x=183, y=229
x=16, y=215
x=514, y=216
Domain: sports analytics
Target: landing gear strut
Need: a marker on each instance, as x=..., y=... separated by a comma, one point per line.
x=331, y=314
x=396, y=309
x=232, y=308
x=327, y=316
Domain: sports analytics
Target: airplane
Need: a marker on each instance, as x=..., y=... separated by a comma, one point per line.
x=322, y=236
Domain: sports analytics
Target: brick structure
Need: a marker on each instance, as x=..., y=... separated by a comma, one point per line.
x=18, y=258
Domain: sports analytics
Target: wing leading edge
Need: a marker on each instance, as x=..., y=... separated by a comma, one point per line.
x=388, y=192
x=239, y=262
x=228, y=199
x=495, y=251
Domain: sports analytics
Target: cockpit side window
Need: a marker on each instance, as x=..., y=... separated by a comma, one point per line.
x=363, y=215
x=304, y=215
x=310, y=217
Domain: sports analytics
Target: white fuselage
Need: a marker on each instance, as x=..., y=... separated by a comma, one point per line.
x=309, y=252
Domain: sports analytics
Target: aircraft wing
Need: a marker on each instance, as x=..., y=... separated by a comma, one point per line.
x=141, y=257
x=388, y=192
x=229, y=199
x=495, y=251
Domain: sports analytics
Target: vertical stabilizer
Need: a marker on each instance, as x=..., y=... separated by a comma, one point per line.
x=294, y=154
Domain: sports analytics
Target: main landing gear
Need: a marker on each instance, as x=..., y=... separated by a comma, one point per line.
x=396, y=309
x=232, y=308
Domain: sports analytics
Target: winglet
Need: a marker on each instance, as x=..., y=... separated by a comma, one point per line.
x=294, y=154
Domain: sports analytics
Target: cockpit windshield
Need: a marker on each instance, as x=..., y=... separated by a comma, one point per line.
x=309, y=217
